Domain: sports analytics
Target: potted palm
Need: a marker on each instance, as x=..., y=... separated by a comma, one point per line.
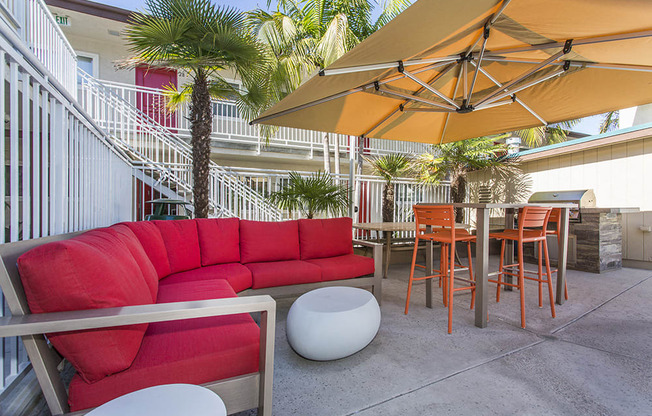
x=312, y=195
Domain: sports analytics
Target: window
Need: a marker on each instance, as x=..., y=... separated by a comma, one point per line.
x=88, y=62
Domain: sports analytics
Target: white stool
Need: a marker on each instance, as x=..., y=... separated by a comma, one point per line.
x=165, y=400
x=332, y=322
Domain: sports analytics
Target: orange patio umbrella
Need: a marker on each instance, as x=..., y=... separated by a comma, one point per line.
x=448, y=70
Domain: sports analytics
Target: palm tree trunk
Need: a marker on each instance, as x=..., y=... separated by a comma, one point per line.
x=337, y=159
x=388, y=202
x=458, y=194
x=201, y=119
x=327, y=154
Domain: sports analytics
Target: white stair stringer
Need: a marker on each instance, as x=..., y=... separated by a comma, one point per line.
x=158, y=151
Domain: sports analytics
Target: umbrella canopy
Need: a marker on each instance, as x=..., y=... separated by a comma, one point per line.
x=447, y=70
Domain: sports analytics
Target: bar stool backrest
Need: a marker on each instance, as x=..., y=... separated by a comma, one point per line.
x=554, y=218
x=534, y=217
x=436, y=216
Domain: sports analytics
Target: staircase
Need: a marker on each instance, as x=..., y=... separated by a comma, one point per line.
x=164, y=161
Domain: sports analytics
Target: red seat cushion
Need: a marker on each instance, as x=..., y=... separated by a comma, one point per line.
x=152, y=241
x=344, y=267
x=238, y=276
x=181, y=243
x=268, y=241
x=193, y=351
x=91, y=271
x=128, y=237
x=325, y=237
x=282, y=273
x=219, y=240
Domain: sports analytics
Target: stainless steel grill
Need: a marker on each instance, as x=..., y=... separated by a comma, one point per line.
x=584, y=198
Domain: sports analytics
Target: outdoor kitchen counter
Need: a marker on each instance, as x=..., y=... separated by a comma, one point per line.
x=609, y=210
x=598, y=240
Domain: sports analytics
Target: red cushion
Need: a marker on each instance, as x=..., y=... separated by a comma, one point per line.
x=282, y=273
x=91, y=271
x=325, y=237
x=219, y=240
x=238, y=276
x=128, y=237
x=268, y=241
x=182, y=244
x=193, y=351
x=344, y=267
x=152, y=241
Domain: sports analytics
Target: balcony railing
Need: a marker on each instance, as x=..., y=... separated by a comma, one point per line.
x=367, y=193
x=230, y=128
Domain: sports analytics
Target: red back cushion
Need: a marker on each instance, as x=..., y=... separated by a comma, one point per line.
x=152, y=241
x=219, y=240
x=128, y=237
x=91, y=271
x=182, y=244
x=268, y=241
x=325, y=237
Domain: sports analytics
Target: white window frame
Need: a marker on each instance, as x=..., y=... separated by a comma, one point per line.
x=95, y=58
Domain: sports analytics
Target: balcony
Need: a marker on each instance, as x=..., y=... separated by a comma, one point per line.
x=231, y=132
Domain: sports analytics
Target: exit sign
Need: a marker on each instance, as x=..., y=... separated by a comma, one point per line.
x=62, y=20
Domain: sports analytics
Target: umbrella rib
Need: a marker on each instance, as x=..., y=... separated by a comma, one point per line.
x=489, y=23
x=485, y=35
x=521, y=88
x=524, y=75
x=400, y=107
x=576, y=42
x=410, y=97
x=518, y=100
x=448, y=116
x=386, y=65
x=581, y=64
x=430, y=88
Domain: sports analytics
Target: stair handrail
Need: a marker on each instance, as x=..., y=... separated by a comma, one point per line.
x=218, y=173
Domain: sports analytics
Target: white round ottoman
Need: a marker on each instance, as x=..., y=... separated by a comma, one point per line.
x=332, y=322
x=164, y=400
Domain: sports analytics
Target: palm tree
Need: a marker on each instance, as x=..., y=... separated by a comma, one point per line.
x=453, y=161
x=389, y=167
x=199, y=39
x=610, y=121
x=311, y=195
x=545, y=135
x=302, y=36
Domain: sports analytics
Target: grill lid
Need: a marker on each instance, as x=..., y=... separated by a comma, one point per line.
x=584, y=198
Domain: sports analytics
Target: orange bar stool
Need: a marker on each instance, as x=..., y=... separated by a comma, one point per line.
x=441, y=219
x=555, y=215
x=532, y=224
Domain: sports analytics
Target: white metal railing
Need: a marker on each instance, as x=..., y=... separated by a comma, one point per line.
x=367, y=193
x=32, y=21
x=60, y=172
x=159, y=150
x=230, y=128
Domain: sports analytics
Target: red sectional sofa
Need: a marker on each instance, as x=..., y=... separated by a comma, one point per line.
x=144, y=263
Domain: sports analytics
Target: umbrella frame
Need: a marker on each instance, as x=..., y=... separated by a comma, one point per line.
x=503, y=94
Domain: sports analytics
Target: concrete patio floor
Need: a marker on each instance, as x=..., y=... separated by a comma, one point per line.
x=594, y=358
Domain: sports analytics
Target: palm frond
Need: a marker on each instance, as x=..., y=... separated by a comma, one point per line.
x=312, y=195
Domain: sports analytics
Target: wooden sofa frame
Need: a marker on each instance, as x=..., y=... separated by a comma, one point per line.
x=238, y=393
